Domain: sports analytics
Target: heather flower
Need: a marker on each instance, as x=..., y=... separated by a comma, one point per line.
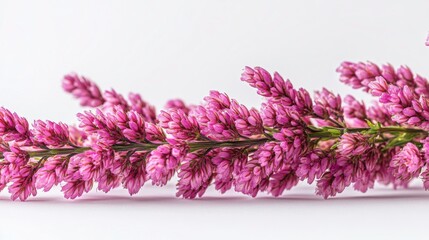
x=252, y=178
x=425, y=149
x=379, y=113
x=131, y=124
x=228, y=163
x=179, y=125
x=146, y=110
x=51, y=173
x=92, y=164
x=407, y=162
x=355, y=112
x=362, y=75
x=325, y=186
x=177, y=104
x=291, y=132
x=51, y=133
x=135, y=174
x=328, y=105
x=154, y=133
x=195, y=175
x=216, y=125
x=313, y=165
x=13, y=127
x=83, y=89
x=76, y=188
x=270, y=157
x=358, y=75
x=336, y=180
x=162, y=163
x=16, y=158
x=282, y=180
x=276, y=89
x=247, y=122
x=114, y=100
x=77, y=136
x=378, y=87
x=353, y=144
x=106, y=127
x=405, y=106
x=23, y=184
x=217, y=101
x=425, y=178
x=108, y=180
x=269, y=86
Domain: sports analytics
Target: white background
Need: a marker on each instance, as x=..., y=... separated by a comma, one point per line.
x=169, y=49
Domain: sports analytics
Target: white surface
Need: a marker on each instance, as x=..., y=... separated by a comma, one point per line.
x=166, y=49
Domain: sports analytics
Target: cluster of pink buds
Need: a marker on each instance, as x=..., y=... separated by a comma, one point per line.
x=329, y=141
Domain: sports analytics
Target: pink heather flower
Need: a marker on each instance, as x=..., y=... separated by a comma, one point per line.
x=195, y=175
x=358, y=75
x=92, y=164
x=76, y=188
x=285, y=179
x=247, y=122
x=216, y=125
x=355, y=112
x=50, y=133
x=425, y=178
x=378, y=87
x=217, y=101
x=179, y=125
x=252, y=178
x=4, y=176
x=142, y=107
x=292, y=129
x=16, y=158
x=131, y=124
x=379, y=113
x=336, y=180
x=407, y=163
x=154, y=133
x=12, y=126
x=362, y=75
x=76, y=136
x=23, y=184
x=135, y=175
x=108, y=180
x=51, y=173
x=269, y=86
x=313, y=165
x=405, y=107
x=365, y=181
x=353, y=144
x=105, y=126
x=114, y=100
x=83, y=89
x=177, y=104
x=162, y=163
x=425, y=149
x=228, y=163
x=270, y=157
x=327, y=105
x=325, y=186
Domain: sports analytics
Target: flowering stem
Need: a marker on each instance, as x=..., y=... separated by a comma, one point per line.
x=324, y=132
x=194, y=146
